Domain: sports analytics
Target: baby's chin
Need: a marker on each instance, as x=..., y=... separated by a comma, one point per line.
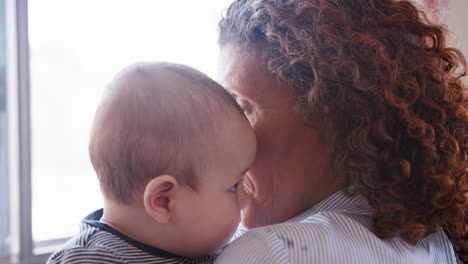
x=255, y=215
x=218, y=250
x=221, y=245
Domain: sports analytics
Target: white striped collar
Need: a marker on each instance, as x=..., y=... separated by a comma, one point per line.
x=340, y=201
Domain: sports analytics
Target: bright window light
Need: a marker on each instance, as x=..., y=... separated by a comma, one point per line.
x=4, y=192
x=76, y=48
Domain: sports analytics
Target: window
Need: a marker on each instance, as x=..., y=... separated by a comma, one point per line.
x=4, y=199
x=55, y=59
x=75, y=49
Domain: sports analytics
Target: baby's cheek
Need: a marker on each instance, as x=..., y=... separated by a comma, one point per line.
x=231, y=222
x=226, y=240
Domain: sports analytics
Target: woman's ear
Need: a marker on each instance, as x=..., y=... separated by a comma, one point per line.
x=158, y=198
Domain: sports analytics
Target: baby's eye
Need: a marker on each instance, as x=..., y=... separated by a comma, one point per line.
x=234, y=187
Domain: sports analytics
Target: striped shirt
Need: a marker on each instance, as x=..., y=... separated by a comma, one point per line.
x=98, y=242
x=335, y=230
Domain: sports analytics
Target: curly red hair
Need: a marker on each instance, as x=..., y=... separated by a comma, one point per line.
x=385, y=77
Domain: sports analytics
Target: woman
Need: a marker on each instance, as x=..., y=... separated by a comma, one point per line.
x=361, y=120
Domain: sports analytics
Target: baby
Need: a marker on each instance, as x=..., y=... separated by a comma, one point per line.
x=170, y=148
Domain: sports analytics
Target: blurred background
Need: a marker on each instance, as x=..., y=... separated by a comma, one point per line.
x=56, y=57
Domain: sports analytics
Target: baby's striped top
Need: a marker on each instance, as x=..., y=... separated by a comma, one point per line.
x=98, y=242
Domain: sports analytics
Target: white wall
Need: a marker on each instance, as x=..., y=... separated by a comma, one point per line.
x=457, y=22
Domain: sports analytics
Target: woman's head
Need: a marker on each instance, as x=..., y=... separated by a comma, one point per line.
x=371, y=88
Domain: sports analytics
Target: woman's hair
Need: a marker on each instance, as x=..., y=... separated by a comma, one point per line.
x=384, y=76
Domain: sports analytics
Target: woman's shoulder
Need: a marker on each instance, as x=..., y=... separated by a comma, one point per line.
x=291, y=242
x=328, y=237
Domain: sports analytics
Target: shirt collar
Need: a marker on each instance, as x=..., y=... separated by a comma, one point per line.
x=93, y=220
x=340, y=201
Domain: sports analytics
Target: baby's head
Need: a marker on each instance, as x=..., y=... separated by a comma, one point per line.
x=169, y=140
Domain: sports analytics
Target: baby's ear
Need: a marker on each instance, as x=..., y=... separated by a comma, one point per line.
x=158, y=198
